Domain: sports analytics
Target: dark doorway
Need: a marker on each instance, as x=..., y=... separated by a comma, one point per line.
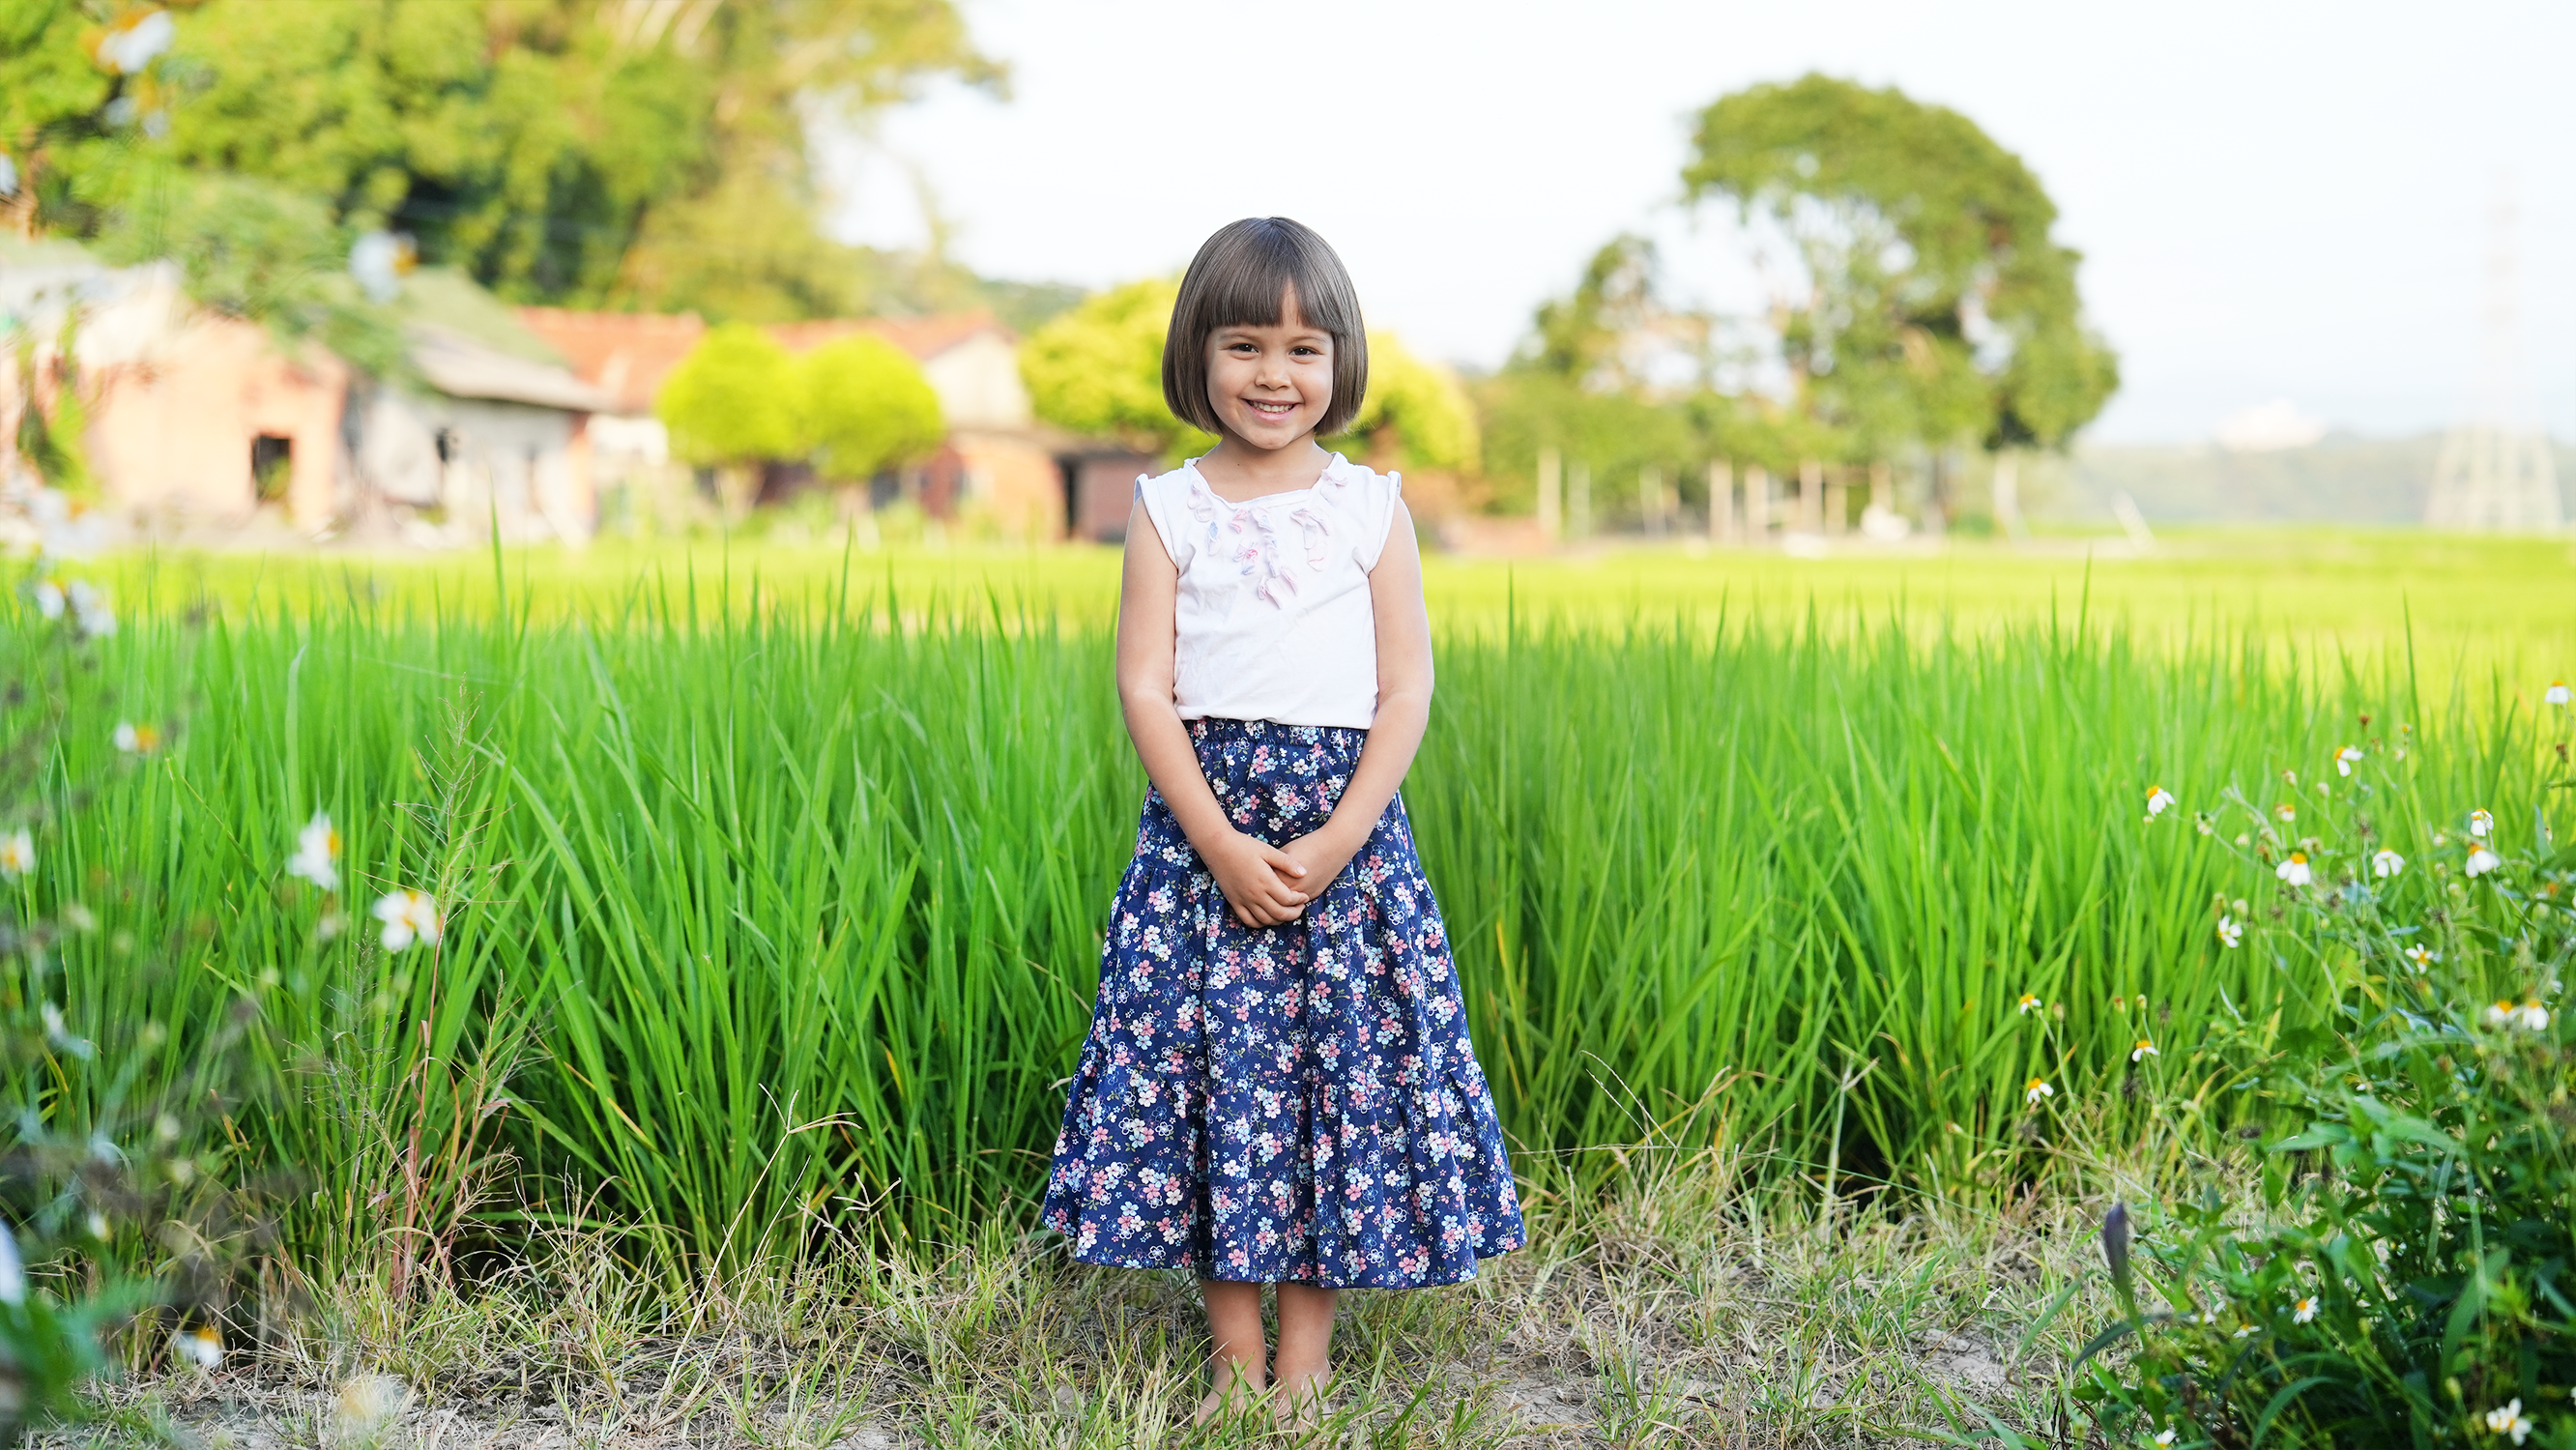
x=272, y=466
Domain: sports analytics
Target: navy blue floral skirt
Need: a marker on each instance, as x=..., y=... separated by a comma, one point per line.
x=1291, y=1103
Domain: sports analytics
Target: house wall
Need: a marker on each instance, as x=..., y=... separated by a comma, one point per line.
x=978, y=383
x=1104, y=489
x=1019, y=482
x=171, y=431
x=522, y=467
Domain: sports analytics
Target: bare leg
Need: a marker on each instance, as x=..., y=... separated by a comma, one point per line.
x=1305, y=1352
x=1235, y=1370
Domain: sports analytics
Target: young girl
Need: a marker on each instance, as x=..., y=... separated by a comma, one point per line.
x=1278, y=1087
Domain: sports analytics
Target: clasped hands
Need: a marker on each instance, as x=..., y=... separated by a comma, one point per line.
x=1269, y=885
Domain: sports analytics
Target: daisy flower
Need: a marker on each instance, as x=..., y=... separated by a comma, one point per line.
x=2159, y=800
x=17, y=854
x=2481, y=824
x=2230, y=931
x=2146, y=1048
x=2286, y=811
x=408, y=916
x=2531, y=1016
x=2304, y=1310
x=2483, y=859
x=2508, y=1419
x=2385, y=863
x=317, y=847
x=200, y=1346
x=2295, y=870
x=2420, y=956
x=2037, y=1091
x=135, y=739
x=90, y=611
x=2556, y=694
x=2345, y=759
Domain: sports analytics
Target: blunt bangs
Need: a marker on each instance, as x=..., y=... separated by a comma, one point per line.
x=1238, y=280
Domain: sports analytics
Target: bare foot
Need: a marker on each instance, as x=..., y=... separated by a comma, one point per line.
x=1298, y=1402
x=1231, y=1388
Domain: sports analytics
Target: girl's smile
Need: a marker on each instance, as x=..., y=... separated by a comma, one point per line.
x=1270, y=385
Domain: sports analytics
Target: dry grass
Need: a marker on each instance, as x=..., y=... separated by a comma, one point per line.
x=1690, y=1311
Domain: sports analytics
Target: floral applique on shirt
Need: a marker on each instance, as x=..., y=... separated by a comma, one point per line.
x=1257, y=547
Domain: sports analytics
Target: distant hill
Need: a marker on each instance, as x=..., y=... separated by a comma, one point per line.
x=2340, y=479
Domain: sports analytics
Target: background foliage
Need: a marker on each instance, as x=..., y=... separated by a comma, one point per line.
x=586, y=152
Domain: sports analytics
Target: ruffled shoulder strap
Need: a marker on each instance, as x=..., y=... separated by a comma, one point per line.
x=1367, y=498
x=1166, y=500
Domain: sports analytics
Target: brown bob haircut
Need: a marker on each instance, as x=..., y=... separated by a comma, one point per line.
x=1239, y=279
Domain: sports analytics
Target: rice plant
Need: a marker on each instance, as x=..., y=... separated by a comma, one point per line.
x=760, y=919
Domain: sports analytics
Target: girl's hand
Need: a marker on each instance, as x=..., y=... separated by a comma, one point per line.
x=1255, y=877
x=1323, y=853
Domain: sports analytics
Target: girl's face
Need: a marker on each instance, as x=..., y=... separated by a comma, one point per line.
x=1270, y=385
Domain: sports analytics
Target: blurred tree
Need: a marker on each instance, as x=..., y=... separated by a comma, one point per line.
x=1097, y=369
x=636, y=152
x=862, y=407
x=1618, y=331
x=263, y=253
x=1937, y=307
x=731, y=405
x=1417, y=415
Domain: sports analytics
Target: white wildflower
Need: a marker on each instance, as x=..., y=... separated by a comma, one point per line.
x=2385, y=863
x=2482, y=859
x=2346, y=758
x=201, y=1346
x=2508, y=1419
x=408, y=916
x=2294, y=870
x=2159, y=801
x=2420, y=956
x=90, y=611
x=2037, y=1091
x=2304, y=1310
x=2481, y=824
x=61, y=1036
x=2531, y=1016
x=2556, y=694
x=17, y=854
x=2146, y=1048
x=2231, y=932
x=317, y=848
x=2028, y=1004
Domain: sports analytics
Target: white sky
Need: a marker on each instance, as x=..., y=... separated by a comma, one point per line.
x=2275, y=200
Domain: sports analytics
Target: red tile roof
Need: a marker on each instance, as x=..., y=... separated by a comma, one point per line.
x=623, y=354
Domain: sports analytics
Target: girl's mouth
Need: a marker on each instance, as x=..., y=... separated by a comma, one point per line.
x=1271, y=410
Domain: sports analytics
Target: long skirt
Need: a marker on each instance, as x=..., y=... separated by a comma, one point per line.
x=1293, y=1103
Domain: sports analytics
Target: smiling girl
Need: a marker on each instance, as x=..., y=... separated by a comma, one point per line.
x=1278, y=1087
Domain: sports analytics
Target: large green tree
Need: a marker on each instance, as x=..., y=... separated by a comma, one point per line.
x=621, y=152
x=1938, y=307
x=862, y=406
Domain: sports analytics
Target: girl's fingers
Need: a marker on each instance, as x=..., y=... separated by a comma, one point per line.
x=1281, y=862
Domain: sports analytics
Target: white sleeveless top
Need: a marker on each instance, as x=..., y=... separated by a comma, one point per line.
x=1273, y=621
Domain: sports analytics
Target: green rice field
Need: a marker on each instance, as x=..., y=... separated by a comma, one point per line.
x=773, y=879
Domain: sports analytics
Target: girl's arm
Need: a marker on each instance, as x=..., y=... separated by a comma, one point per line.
x=1250, y=872
x=1403, y=709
